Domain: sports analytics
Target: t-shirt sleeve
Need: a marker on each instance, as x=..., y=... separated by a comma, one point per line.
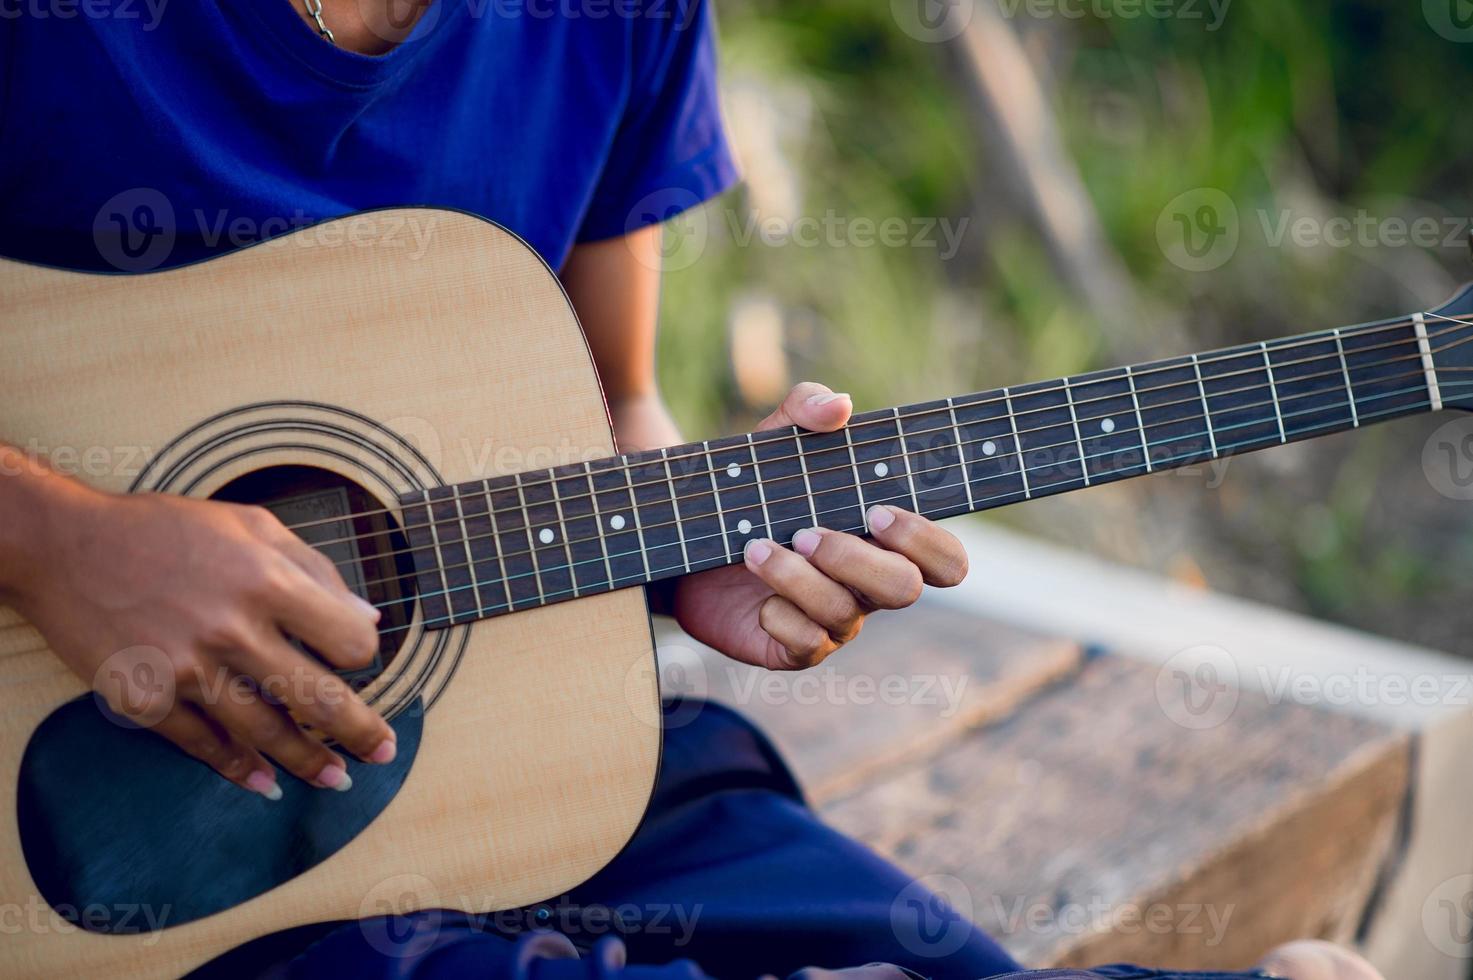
x=670, y=152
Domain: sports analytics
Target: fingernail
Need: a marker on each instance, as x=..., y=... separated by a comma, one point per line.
x=374, y=613
x=824, y=399
x=879, y=517
x=334, y=776
x=265, y=784
x=805, y=542
x=758, y=552
x=384, y=753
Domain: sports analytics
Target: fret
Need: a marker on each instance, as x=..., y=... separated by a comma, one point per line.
x=736, y=482
x=787, y=501
x=1017, y=443
x=711, y=478
x=1243, y=414
x=598, y=523
x=807, y=483
x=549, y=538
x=582, y=536
x=858, y=483
x=514, y=542
x=619, y=521
x=1274, y=391
x=1108, y=425
x=1046, y=437
x=1424, y=346
x=465, y=537
x=1078, y=437
x=833, y=480
x=492, y=591
x=988, y=442
x=1309, y=381
x=761, y=490
x=695, y=506
x=1386, y=371
x=905, y=458
x=1173, y=413
x=455, y=565
x=1345, y=372
x=938, y=478
x=879, y=461
x=1140, y=424
x=1206, y=409
x=429, y=573
x=655, y=508
x=961, y=452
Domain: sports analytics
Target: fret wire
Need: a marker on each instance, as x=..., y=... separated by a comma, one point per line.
x=803, y=465
x=961, y=453
x=716, y=494
x=757, y=479
x=1139, y=418
x=562, y=532
x=531, y=547
x=858, y=483
x=439, y=553
x=1078, y=436
x=496, y=542
x=470, y=557
x=644, y=552
x=1017, y=444
x=1206, y=409
x=1349, y=391
x=905, y=459
x=598, y=521
x=675, y=506
x=1273, y=389
x=1065, y=484
x=1144, y=426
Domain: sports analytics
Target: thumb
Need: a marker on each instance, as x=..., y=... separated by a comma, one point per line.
x=810, y=406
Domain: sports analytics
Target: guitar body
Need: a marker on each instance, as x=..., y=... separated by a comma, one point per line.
x=337, y=364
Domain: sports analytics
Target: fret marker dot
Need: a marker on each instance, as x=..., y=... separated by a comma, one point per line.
x=545, y=535
x=989, y=448
x=733, y=471
x=744, y=527
x=1108, y=425
x=617, y=522
x=881, y=469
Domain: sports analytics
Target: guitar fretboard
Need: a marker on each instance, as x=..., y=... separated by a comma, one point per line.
x=516, y=542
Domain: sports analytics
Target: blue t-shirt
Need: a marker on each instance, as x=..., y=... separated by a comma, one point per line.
x=158, y=133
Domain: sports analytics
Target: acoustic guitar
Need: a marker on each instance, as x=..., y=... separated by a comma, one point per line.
x=423, y=409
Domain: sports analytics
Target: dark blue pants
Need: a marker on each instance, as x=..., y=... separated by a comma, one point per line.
x=730, y=875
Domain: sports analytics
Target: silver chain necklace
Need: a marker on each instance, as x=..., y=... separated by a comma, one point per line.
x=314, y=10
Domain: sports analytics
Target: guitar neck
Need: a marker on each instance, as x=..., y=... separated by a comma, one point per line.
x=515, y=542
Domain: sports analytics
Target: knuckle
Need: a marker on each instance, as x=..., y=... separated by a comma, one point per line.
x=258, y=519
x=234, y=765
x=225, y=632
x=909, y=586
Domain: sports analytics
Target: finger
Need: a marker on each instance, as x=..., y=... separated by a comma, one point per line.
x=810, y=406
x=822, y=600
x=241, y=710
x=799, y=642
x=338, y=625
x=934, y=550
x=216, y=748
x=886, y=579
x=323, y=571
x=316, y=696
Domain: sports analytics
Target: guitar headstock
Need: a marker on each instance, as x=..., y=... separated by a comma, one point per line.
x=1450, y=337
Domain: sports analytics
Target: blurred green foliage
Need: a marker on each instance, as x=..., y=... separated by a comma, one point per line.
x=1312, y=109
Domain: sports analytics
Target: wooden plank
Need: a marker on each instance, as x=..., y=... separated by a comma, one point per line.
x=1089, y=805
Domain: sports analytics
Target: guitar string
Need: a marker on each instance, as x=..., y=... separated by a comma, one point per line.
x=680, y=570
x=1083, y=461
x=1146, y=370
x=1195, y=398
x=1189, y=385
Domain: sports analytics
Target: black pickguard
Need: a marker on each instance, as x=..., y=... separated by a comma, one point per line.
x=124, y=833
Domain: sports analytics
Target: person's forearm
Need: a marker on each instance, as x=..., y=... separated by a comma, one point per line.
x=643, y=422
x=30, y=492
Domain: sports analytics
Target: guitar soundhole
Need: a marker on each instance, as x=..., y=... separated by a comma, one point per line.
x=351, y=527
